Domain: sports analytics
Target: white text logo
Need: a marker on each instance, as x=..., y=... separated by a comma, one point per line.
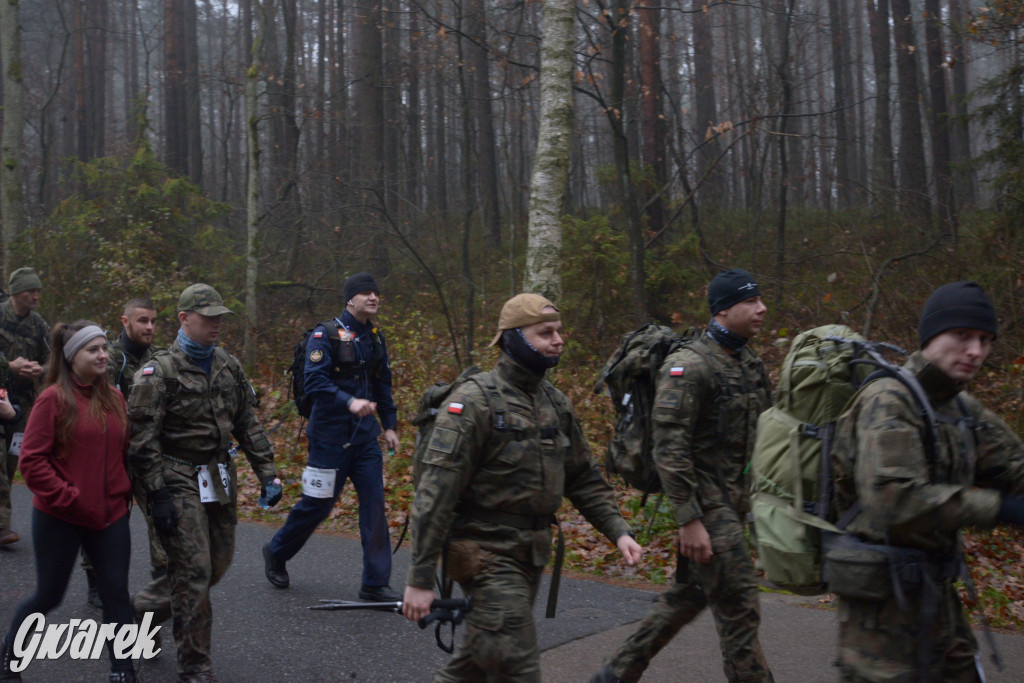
x=81, y=639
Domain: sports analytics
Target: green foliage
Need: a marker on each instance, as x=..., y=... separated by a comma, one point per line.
x=129, y=228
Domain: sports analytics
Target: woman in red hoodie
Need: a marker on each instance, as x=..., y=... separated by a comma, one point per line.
x=73, y=460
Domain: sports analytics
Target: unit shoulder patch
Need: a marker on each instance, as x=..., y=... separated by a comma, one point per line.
x=316, y=355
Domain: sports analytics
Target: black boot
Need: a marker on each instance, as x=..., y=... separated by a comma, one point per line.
x=274, y=569
x=6, y=658
x=94, y=595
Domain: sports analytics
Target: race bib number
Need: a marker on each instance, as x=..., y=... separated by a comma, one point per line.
x=318, y=483
x=15, y=448
x=206, y=491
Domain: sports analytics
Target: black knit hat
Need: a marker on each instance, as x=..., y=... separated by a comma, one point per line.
x=957, y=305
x=360, y=282
x=731, y=287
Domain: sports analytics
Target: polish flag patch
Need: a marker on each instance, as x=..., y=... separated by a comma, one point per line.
x=455, y=408
x=677, y=371
x=318, y=334
x=148, y=370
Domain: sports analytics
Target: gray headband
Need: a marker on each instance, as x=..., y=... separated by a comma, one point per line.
x=78, y=340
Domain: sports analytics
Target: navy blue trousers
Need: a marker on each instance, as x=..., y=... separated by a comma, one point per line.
x=363, y=464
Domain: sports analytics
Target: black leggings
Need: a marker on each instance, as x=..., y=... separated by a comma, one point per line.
x=56, y=545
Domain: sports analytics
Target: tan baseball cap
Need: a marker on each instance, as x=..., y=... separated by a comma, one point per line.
x=203, y=299
x=524, y=309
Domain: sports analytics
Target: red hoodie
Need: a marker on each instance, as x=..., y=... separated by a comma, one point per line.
x=89, y=486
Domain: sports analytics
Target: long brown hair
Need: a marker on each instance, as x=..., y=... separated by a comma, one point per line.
x=104, y=400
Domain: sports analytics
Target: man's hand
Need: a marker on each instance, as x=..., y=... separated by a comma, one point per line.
x=360, y=407
x=416, y=602
x=391, y=439
x=630, y=549
x=161, y=509
x=25, y=368
x=270, y=491
x=7, y=411
x=694, y=542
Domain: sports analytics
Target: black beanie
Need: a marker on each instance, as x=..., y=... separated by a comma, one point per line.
x=731, y=287
x=360, y=282
x=956, y=305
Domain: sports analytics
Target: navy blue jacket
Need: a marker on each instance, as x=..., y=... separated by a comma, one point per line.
x=331, y=423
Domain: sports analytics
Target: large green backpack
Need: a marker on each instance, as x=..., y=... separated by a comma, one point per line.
x=792, y=464
x=630, y=377
x=791, y=495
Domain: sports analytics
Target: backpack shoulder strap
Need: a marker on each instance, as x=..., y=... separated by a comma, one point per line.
x=171, y=384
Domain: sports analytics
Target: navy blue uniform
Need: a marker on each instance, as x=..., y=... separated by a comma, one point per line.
x=338, y=440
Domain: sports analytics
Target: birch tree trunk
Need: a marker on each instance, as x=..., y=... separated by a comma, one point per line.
x=12, y=206
x=549, y=183
x=252, y=194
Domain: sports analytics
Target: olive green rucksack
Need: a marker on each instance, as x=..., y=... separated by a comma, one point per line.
x=630, y=377
x=791, y=497
x=792, y=464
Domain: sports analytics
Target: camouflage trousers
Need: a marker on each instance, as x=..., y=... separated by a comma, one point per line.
x=500, y=642
x=880, y=642
x=727, y=584
x=8, y=466
x=198, y=555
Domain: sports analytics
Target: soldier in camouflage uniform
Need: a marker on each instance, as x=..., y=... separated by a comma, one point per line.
x=185, y=405
x=708, y=397
x=900, y=500
x=496, y=489
x=24, y=344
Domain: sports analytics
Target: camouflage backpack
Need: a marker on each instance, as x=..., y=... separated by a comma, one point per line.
x=792, y=465
x=630, y=377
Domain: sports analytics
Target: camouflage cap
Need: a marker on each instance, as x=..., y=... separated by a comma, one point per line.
x=202, y=299
x=524, y=309
x=24, y=279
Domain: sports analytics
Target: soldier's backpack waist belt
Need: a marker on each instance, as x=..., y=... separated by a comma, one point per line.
x=502, y=518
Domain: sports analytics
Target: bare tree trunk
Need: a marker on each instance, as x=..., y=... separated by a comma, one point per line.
x=913, y=182
x=964, y=181
x=939, y=112
x=252, y=195
x=840, y=64
x=653, y=121
x=549, y=183
x=785, y=25
x=705, y=106
x=12, y=200
x=96, y=77
x=486, y=162
x=883, y=180
x=193, y=121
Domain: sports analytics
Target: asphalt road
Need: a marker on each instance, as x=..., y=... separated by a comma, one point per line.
x=265, y=634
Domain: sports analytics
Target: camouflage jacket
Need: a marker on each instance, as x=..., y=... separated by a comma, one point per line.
x=881, y=461
x=27, y=337
x=124, y=364
x=190, y=417
x=467, y=468
x=706, y=406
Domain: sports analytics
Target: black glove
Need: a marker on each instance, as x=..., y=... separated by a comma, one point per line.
x=161, y=509
x=1011, y=511
x=270, y=493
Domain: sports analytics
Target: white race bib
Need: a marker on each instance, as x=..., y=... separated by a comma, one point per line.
x=206, y=492
x=15, y=448
x=318, y=483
